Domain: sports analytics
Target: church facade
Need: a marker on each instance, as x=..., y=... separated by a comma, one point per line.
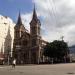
x=28, y=47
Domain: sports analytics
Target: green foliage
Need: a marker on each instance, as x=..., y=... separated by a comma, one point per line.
x=56, y=49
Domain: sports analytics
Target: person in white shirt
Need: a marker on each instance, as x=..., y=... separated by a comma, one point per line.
x=14, y=63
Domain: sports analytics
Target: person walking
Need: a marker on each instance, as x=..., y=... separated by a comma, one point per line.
x=14, y=63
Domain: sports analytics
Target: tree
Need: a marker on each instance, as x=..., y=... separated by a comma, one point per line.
x=57, y=50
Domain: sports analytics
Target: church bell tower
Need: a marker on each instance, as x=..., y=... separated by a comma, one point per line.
x=35, y=38
x=19, y=29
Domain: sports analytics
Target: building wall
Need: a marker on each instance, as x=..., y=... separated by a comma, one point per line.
x=5, y=24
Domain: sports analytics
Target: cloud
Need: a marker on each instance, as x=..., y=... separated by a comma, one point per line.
x=58, y=19
x=26, y=18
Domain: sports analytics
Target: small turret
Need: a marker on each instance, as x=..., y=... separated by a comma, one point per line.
x=35, y=37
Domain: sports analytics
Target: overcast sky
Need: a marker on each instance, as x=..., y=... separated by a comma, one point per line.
x=57, y=16
x=57, y=19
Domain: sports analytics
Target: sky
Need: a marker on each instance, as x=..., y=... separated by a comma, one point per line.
x=57, y=16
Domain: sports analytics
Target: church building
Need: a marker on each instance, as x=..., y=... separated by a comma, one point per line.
x=28, y=47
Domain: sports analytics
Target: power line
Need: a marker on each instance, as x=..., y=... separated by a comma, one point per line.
x=53, y=9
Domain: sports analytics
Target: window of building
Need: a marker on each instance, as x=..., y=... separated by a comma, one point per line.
x=33, y=42
x=25, y=42
x=34, y=30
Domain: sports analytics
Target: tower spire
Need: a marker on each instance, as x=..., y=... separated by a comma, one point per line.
x=19, y=22
x=34, y=14
x=35, y=18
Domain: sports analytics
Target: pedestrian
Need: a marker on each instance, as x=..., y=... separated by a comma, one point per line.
x=14, y=63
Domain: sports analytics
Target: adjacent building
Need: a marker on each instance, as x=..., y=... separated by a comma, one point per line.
x=72, y=53
x=6, y=37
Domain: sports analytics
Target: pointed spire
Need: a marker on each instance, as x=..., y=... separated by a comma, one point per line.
x=34, y=14
x=19, y=22
x=35, y=18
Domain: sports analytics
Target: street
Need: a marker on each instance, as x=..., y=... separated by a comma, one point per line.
x=55, y=69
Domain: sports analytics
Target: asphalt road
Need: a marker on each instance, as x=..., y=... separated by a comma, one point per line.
x=56, y=69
